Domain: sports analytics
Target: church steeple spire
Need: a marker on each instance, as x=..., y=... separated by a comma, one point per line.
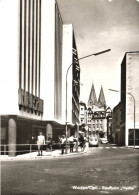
x=92, y=98
x=101, y=99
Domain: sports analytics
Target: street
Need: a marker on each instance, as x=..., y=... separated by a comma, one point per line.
x=103, y=170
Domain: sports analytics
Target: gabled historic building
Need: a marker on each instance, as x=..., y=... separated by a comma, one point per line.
x=97, y=113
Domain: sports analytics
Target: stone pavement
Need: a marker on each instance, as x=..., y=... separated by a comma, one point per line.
x=46, y=155
x=57, y=153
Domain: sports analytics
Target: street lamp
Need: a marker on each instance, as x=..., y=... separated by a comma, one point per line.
x=94, y=54
x=134, y=106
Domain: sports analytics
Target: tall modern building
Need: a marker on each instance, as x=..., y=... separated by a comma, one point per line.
x=70, y=61
x=129, y=84
x=126, y=113
x=34, y=47
x=97, y=112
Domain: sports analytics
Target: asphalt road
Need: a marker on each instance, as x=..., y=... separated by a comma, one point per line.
x=106, y=170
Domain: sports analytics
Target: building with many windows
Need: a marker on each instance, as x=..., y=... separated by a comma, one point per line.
x=97, y=113
x=34, y=48
x=83, y=113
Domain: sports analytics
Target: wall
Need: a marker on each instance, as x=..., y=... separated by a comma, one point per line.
x=47, y=58
x=66, y=62
x=9, y=57
x=130, y=84
x=58, y=64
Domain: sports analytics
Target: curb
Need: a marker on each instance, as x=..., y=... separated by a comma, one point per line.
x=132, y=147
x=41, y=157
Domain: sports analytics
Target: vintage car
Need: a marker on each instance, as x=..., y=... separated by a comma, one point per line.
x=104, y=140
x=93, y=141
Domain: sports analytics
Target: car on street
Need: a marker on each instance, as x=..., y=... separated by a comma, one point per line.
x=93, y=141
x=104, y=140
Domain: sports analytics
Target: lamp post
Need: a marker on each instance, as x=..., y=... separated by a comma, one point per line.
x=94, y=54
x=134, y=106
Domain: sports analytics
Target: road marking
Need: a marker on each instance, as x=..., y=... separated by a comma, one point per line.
x=108, y=147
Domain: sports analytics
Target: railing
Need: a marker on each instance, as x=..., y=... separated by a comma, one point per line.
x=29, y=148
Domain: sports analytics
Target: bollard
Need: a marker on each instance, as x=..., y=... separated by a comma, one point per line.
x=4, y=149
x=30, y=149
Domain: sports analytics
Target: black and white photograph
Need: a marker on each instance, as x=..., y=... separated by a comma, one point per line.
x=69, y=97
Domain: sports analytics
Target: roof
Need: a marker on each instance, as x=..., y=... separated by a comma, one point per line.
x=82, y=103
x=101, y=99
x=92, y=98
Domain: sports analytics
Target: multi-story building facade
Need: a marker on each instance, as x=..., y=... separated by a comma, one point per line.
x=83, y=113
x=70, y=57
x=130, y=84
x=32, y=74
x=125, y=117
x=109, y=124
x=97, y=113
x=116, y=125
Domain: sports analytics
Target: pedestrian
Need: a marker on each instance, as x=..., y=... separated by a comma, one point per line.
x=40, y=143
x=71, y=140
x=49, y=141
x=84, y=143
x=81, y=140
x=62, y=141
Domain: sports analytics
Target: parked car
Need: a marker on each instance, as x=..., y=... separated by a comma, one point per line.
x=104, y=140
x=93, y=141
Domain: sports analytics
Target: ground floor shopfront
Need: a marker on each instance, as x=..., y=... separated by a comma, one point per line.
x=17, y=132
x=119, y=137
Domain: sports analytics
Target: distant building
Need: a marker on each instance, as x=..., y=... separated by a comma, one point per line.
x=33, y=73
x=109, y=124
x=83, y=113
x=116, y=125
x=129, y=84
x=97, y=113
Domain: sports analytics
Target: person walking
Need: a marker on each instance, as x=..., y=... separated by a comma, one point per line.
x=40, y=143
x=71, y=140
x=62, y=141
x=84, y=143
x=49, y=142
x=81, y=140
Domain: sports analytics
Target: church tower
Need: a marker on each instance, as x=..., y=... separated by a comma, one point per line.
x=96, y=113
x=101, y=99
x=92, y=98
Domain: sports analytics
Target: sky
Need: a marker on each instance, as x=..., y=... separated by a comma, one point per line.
x=100, y=25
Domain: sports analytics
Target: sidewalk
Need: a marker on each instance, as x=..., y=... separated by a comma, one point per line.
x=46, y=155
x=136, y=147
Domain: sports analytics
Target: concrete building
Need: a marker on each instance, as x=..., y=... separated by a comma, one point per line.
x=130, y=84
x=116, y=125
x=33, y=70
x=70, y=56
x=123, y=114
